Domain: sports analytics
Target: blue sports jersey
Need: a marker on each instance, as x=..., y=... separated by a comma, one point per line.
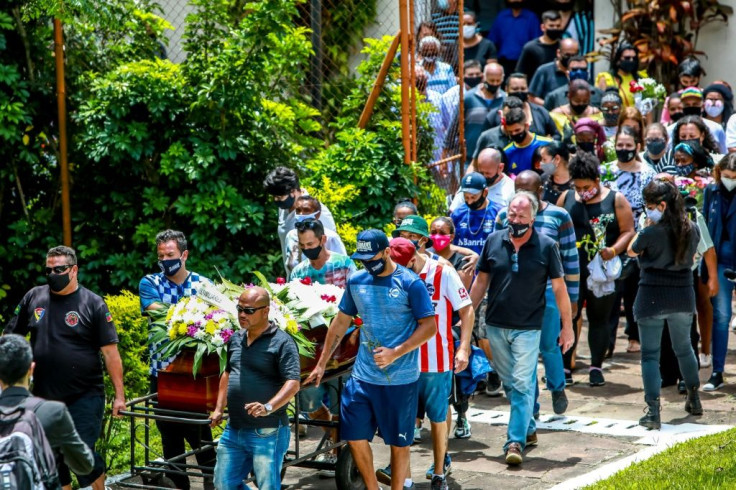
x=390, y=308
x=473, y=227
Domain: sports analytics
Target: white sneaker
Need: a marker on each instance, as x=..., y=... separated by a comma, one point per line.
x=706, y=361
x=417, y=434
x=326, y=458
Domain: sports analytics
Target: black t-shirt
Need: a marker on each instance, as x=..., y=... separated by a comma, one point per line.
x=553, y=190
x=534, y=54
x=257, y=373
x=517, y=299
x=482, y=52
x=656, y=246
x=67, y=333
x=491, y=137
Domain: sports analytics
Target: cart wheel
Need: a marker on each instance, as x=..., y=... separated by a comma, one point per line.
x=347, y=476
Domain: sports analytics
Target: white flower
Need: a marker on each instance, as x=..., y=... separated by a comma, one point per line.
x=217, y=340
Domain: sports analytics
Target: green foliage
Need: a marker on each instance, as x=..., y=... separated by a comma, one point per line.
x=132, y=330
x=155, y=145
x=705, y=462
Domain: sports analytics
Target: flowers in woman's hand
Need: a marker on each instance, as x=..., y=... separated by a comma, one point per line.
x=357, y=321
x=307, y=281
x=280, y=281
x=634, y=87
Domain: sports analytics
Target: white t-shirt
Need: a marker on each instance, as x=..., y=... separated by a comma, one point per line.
x=448, y=294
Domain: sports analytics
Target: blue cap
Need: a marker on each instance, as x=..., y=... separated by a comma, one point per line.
x=370, y=243
x=473, y=183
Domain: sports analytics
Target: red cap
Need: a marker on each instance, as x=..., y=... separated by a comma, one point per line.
x=401, y=250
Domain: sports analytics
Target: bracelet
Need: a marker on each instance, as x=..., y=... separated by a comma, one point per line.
x=613, y=250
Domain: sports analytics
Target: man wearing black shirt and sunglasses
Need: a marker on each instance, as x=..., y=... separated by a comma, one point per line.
x=70, y=326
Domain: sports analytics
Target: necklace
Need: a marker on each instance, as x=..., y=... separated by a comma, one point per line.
x=480, y=227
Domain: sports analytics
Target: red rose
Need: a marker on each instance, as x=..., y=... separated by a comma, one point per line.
x=357, y=321
x=307, y=281
x=280, y=281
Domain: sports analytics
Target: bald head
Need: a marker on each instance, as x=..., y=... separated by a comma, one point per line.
x=569, y=46
x=493, y=74
x=529, y=181
x=489, y=162
x=254, y=296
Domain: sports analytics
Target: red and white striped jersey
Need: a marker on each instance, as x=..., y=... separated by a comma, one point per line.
x=448, y=294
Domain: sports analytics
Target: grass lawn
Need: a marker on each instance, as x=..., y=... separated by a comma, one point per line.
x=705, y=463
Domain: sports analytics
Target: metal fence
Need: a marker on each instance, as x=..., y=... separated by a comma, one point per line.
x=340, y=31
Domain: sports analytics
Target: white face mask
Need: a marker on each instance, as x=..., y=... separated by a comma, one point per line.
x=729, y=184
x=469, y=31
x=713, y=108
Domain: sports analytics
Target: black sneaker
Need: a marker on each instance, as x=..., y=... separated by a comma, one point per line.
x=439, y=483
x=596, y=378
x=568, y=379
x=714, y=382
x=681, y=388
x=559, y=402
x=493, y=384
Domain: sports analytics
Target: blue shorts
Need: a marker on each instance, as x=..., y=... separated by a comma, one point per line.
x=391, y=409
x=311, y=399
x=434, y=395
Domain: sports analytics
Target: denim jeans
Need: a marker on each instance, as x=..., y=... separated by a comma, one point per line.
x=515, y=353
x=650, y=334
x=721, y=319
x=550, y=350
x=241, y=451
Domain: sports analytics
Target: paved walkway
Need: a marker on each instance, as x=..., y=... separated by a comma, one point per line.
x=597, y=435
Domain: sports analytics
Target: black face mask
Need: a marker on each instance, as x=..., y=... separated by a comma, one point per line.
x=475, y=205
x=565, y=60
x=518, y=138
x=491, y=88
x=611, y=119
x=625, y=155
x=473, y=82
x=692, y=111
x=676, y=116
x=554, y=34
x=57, y=282
x=517, y=230
x=588, y=146
x=629, y=66
x=374, y=267
x=170, y=266
x=522, y=96
x=578, y=108
x=312, y=253
x=286, y=203
x=492, y=180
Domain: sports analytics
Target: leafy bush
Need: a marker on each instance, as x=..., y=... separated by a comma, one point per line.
x=132, y=330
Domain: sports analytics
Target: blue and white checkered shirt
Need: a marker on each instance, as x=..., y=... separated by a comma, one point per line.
x=157, y=288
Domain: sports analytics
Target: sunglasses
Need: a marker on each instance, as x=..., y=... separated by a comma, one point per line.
x=59, y=269
x=307, y=224
x=514, y=262
x=249, y=310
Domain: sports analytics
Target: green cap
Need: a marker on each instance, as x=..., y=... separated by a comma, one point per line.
x=414, y=224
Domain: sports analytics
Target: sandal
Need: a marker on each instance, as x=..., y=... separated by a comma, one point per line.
x=634, y=346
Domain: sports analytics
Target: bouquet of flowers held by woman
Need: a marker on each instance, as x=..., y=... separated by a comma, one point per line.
x=692, y=189
x=603, y=273
x=647, y=94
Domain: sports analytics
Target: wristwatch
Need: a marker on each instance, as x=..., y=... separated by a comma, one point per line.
x=268, y=407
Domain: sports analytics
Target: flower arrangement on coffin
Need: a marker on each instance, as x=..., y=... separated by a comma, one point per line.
x=647, y=94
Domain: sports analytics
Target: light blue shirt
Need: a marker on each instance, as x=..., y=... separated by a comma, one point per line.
x=390, y=308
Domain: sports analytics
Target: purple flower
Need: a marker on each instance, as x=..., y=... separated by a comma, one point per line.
x=208, y=316
x=192, y=330
x=226, y=334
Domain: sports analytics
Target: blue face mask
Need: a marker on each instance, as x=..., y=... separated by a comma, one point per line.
x=170, y=266
x=685, y=170
x=303, y=217
x=578, y=74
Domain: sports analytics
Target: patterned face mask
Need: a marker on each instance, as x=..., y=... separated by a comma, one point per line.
x=589, y=194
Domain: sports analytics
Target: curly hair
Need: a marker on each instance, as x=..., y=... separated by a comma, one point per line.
x=709, y=143
x=584, y=165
